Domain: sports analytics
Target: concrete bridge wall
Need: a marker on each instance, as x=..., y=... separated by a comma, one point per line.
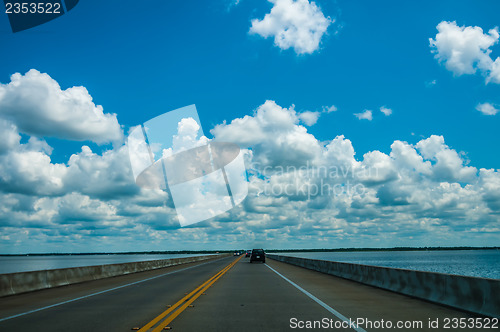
x=477, y=295
x=22, y=282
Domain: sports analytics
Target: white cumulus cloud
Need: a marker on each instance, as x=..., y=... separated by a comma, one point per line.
x=385, y=110
x=28, y=169
x=430, y=84
x=487, y=109
x=38, y=106
x=186, y=137
x=9, y=136
x=275, y=132
x=366, y=115
x=416, y=189
x=309, y=118
x=297, y=24
x=464, y=50
x=330, y=109
x=413, y=194
x=449, y=166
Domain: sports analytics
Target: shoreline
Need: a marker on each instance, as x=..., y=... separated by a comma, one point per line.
x=207, y=252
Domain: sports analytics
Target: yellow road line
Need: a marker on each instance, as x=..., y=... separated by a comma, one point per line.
x=166, y=312
x=181, y=309
x=198, y=291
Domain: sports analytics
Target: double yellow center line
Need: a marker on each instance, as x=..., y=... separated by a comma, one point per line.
x=184, y=302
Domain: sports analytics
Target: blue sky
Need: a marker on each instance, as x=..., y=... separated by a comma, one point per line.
x=141, y=59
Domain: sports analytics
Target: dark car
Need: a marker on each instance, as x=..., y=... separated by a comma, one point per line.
x=258, y=255
x=248, y=253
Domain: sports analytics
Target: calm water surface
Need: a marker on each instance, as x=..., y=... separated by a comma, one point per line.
x=475, y=263
x=11, y=264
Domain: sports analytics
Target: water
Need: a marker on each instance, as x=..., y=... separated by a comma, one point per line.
x=11, y=264
x=474, y=263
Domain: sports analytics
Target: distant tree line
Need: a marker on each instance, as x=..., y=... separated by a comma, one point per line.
x=382, y=249
x=207, y=252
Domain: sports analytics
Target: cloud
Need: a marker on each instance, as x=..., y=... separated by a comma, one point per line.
x=28, y=169
x=413, y=182
x=487, y=109
x=415, y=194
x=106, y=176
x=385, y=110
x=309, y=118
x=489, y=184
x=233, y=3
x=38, y=106
x=186, y=137
x=274, y=132
x=465, y=50
x=297, y=24
x=340, y=152
x=9, y=136
x=408, y=160
x=76, y=207
x=449, y=166
x=366, y=115
x=430, y=84
x=330, y=109
x=494, y=72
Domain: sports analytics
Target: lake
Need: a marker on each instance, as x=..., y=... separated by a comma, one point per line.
x=11, y=264
x=475, y=263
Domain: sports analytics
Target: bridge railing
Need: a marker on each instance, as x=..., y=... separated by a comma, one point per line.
x=476, y=295
x=22, y=282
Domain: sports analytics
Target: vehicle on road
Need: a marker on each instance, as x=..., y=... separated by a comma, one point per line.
x=236, y=253
x=248, y=253
x=258, y=255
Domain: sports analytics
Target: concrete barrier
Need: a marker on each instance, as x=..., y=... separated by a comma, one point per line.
x=476, y=295
x=22, y=282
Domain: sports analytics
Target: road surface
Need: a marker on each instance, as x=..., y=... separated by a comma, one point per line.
x=227, y=294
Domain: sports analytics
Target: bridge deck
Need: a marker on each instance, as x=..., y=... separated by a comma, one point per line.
x=248, y=297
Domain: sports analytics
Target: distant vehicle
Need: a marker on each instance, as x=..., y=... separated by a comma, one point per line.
x=248, y=253
x=236, y=253
x=258, y=255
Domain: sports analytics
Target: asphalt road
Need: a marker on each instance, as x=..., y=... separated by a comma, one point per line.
x=246, y=297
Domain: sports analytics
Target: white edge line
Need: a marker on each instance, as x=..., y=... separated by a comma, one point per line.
x=102, y=292
x=321, y=303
